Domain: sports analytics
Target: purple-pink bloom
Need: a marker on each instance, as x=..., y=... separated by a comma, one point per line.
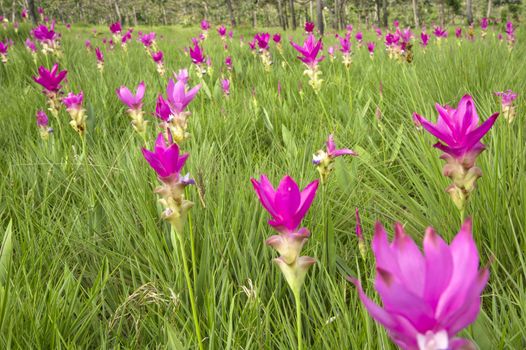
x=370, y=47
x=72, y=101
x=225, y=85
x=23, y=14
x=427, y=298
x=359, y=37
x=276, y=38
x=228, y=62
x=43, y=33
x=157, y=57
x=458, y=32
x=484, y=23
x=178, y=98
x=309, y=27
x=87, y=44
x=42, y=119
x=165, y=159
x=333, y=152
x=309, y=51
x=99, y=55
x=162, y=109
x=345, y=43
x=196, y=54
x=30, y=45
x=262, y=40
x=147, y=39
x=221, y=30
x=424, y=39
x=116, y=28
x=507, y=97
x=3, y=48
x=182, y=75
x=205, y=25
x=50, y=80
x=458, y=129
x=440, y=32
x=134, y=102
x=287, y=204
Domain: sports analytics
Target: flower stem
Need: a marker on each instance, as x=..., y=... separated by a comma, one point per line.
x=297, y=300
x=190, y=288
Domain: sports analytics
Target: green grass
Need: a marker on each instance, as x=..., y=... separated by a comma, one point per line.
x=92, y=264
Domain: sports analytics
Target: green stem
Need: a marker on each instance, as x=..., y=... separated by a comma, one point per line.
x=190, y=288
x=297, y=300
x=192, y=245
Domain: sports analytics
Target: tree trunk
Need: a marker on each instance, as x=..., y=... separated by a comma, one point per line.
x=117, y=11
x=441, y=14
x=255, y=14
x=282, y=22
x=336, y=19
x=231, y=12
x=385, y=14
x=415, y=13
x=342, y=14
x=134, y=16
x=13, y=11
x=292, y=14
x=163, y=11
x=319, y=15
x=469, y=11
x=488, y=12
x=378, y=5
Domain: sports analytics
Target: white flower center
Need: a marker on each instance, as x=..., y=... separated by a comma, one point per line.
x=433, y=341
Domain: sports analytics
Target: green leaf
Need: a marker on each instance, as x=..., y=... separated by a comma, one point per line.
x=6, y=253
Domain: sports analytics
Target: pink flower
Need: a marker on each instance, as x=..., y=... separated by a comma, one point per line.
x=205, y=25
x=309, y=27
x=43, y=33
x=359, y=37
x=50, y=80
x=309, y=51
x=157, y=57
x=42, y=119
x=99, y=55
x=165, y=159
x=177, y=96
x=458, y=130
x=507, y=97
x=287, y=204
x=440, y=32
x=134, y=102
x=396, y=23
x=196, y=54
x=424, y=39
x=147, y=39
x=225, y=85
x=30, y=45
x=458, y=32
x=262, y=40
x=276, y=38
x=370, y=46
x=427, y=298
x=484, y=23
x=228, y=62
x=23, y=14
x=115, y=28
x=221, y=30
x=73, y=102
x=87, y=44
x=3, y=48
x=345, y=43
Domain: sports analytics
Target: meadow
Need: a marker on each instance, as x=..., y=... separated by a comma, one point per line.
x=88, y=262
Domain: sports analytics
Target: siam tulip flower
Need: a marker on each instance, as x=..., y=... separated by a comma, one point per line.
x=277, y=38
x=359, y=234
x=16, y=25
x=50, y=80
x=484, y=26
x=330, y=52
x=507, y=107
x=262, y=40
x=396, y=24
x=348, y=28
x=47, y=37
x=68, y=26
x=111, y=44
x=424, y=39
x=345, y=48
x=252, y=45
x=359, y=38
x=500, y=37
x=167, y=161
x=309, y=56
x=394, y=45
x=172, y=111
x=459, y=137
x=406, y=34
x=116, y=28
x=100, y=59
x=24, y=14
x=198, y=58
x=324, y=160
x=288, y=205
x=87, y=44
x=158, y=59
x=182, y=75
x=3, y=52
x=125, y=38
x=440, y=33
x=205, y=25
x=510, y=35
x=73, y=105
x=32, y=48
x=458, y=33
x=148, y=40
x=225, y=86
x=309, y=27
x=134, y=103
x=427, y=298
x=370, y=47
x=378, y=32
x=228, y=63
x=43, y=125
x=230, y=34
x=221, y=30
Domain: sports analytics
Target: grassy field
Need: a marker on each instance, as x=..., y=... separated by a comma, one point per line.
x=92, y=264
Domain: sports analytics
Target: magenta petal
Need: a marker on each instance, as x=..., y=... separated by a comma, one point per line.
x=474, y=137
x=433, y=130
x=344, y=151
x=411, y=263
x=287, y=200
x=140, y=91
x=307, y=196
x=439, y=267
x=265, y=196
x=155, y=163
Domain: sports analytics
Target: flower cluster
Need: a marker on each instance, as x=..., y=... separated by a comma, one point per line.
x=507, y=107
x=134, y=103
x=262, y=40
x=309, y=56
x=51, y=81
x=73, y=105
